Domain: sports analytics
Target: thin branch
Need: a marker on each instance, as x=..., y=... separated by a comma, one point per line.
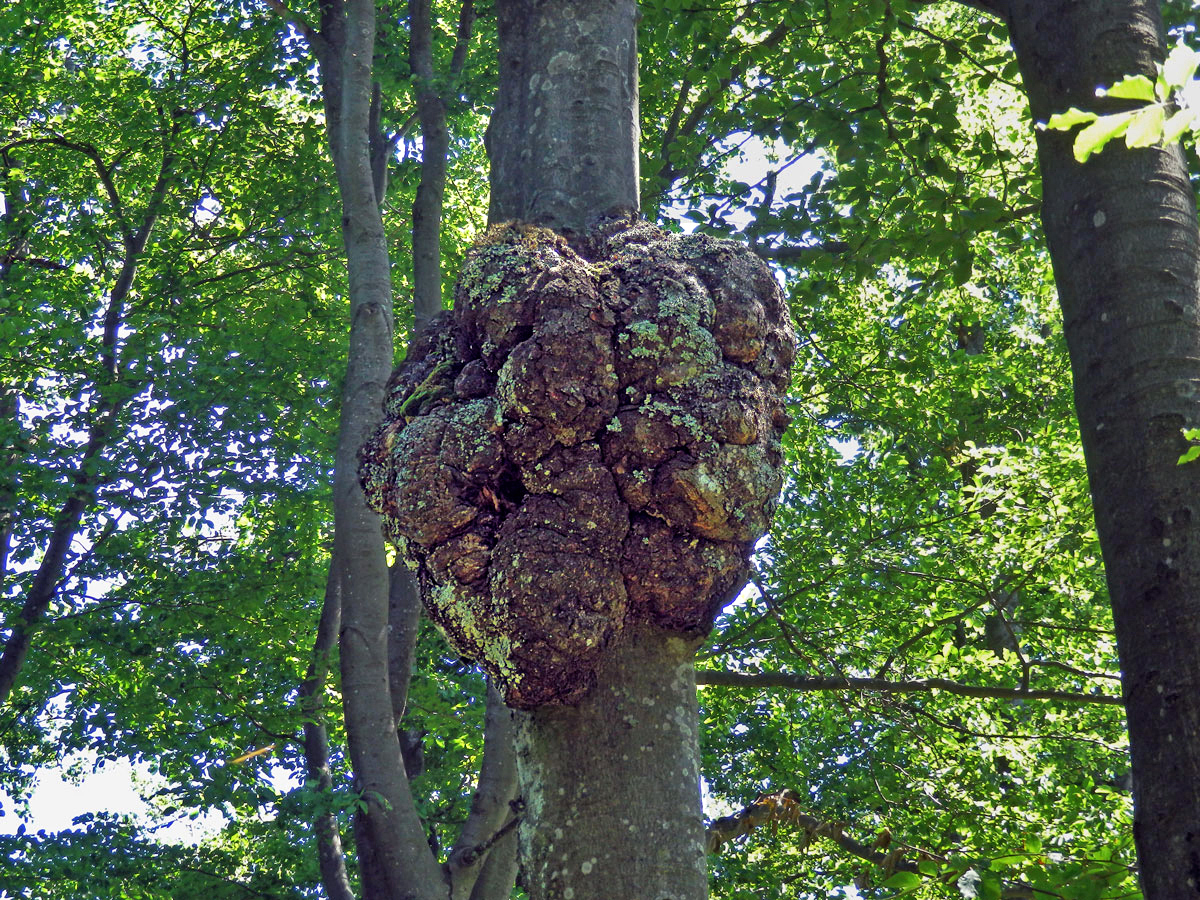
x=35, y=262
x=883, y=853
x=102, y=170
x=991, y=7
x=912, y=686
x=668, y=171
x=783, y=808
x=462, y=38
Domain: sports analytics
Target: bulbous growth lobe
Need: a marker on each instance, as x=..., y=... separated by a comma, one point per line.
x=591, y=438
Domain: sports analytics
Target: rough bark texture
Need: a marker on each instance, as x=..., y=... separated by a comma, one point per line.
x=563, y=140
x=617, y=419
x=580, y=457
x=1123, y=237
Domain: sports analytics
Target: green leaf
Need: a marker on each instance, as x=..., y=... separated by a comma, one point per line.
x=1099, y=133
x=1192, y=454
x=904, y=880
x=1131, y=87
x=989, y=887
x=1180, y=66
x=1008, y=862
x=1067, y=120
x=1146, y=128
x=963, y=265
x=928, y=867
x=1177, y=124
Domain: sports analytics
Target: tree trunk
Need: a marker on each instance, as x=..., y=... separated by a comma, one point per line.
x=85, y=477
x=611, y=786
x=1123, y=237
x=563, y=139
x=399, y=865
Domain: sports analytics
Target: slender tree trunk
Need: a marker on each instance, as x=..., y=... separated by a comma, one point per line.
x=10, y=410
x=330, y=856
x=435, y=152
x=482, y=863
x=378, y=609
x=1123, y=237
x=394, y=857
x=103, y=428
x=611, y=786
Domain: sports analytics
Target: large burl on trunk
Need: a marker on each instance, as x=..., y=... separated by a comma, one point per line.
x=591, y=439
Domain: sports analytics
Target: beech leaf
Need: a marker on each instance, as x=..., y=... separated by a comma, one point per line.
x=1131, y=87
x=1099, y=133
x=1146, y=128
x=1067, y=120
x=1180, y=66
x=1175, y=126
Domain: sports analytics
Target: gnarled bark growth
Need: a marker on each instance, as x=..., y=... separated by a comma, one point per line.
x=589, y=440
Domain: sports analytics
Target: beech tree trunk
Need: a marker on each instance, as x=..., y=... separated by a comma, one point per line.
x=563, y=139
x=374, y=611
x=1123, y=237
x=394, y=860
x=611, y=786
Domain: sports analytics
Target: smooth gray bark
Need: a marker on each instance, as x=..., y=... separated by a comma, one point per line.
x=394, y=858
x=612, y=786
x=1123, y=238
x=379, y=610
x=563, y=140
x=330, y=856
x=435, y=152
x=484, y=836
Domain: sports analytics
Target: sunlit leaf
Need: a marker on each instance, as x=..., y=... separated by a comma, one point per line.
x=1069, y=119
x=1178, y=123
x=1146, y=127
x=1093, y=138
x=1180, y=66
x=1131, y=87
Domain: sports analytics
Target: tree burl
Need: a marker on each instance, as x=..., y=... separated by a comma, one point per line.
x=591, y=437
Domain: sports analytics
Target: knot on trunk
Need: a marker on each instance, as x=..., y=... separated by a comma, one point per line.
x=592, y=436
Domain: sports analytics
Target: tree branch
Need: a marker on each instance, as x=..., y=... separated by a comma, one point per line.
x=102, y=170
x=913, y=686
x=668, y=171
x=494, y=796
x=784, y=808
x=86, y=478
